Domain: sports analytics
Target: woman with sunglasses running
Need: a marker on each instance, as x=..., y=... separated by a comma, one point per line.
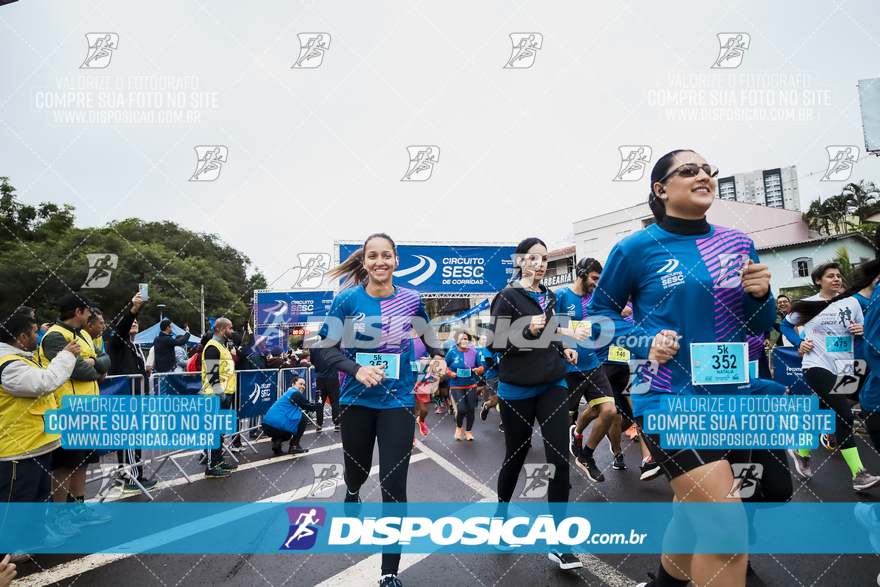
x=692, y=282
x=373, y=318
x=532, y=379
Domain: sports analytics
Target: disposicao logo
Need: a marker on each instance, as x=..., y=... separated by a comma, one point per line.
x=304, y=524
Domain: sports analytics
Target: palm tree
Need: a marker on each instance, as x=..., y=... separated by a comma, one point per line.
x=841, y=257
x=816, y=219
x=861, y=196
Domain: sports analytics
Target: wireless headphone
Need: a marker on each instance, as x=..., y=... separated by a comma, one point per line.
x=581, y=269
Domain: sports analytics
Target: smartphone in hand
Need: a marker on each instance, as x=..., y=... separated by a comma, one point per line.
x=143, y=288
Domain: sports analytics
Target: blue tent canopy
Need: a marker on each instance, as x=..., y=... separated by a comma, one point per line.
x=145, y=337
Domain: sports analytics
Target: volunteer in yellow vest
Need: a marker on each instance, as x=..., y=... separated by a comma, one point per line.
x=26, y=391
x=218, y=378
x=69, y=465
x=95, y=328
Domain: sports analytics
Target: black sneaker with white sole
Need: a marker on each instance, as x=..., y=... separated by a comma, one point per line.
x=575, y=441
x=565, y=560
x=588, y=465
x=484, y=413
x=618, y=464
x=650, y=583
x=649, y=469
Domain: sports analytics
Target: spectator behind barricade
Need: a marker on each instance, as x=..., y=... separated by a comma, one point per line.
x=305, y=357
x=127, y=358
x=163, y=347
x=285, y=420
x=277, y=359
x=27, y=390
x=181, y=358
x=95, y=327
x=69, y=465
x=218, y=378
x=28, y=311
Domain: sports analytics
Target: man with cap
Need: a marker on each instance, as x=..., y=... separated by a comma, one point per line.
x=27, y=390
x=69, y=465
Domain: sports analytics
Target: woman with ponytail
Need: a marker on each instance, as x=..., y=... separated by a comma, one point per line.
x=832, y=322
x=532, y=380
x=691, y=283
x=373, y=318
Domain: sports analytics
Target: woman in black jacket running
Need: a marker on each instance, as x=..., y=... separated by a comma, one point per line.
x=532, y=378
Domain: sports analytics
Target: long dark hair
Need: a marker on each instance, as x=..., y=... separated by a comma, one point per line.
x=661, y=168
x=353, y=268
x=522, y=248
x=863, y=276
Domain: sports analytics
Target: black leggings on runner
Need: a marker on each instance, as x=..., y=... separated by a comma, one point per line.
x=465, y=405
x=394, y=429
x=822, y=381
x=551, y=410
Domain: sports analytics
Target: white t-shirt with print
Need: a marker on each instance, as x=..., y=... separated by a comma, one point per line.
x=833, y=321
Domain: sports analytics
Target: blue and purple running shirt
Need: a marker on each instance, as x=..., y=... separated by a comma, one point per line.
x=689, y=284
x=354, y=316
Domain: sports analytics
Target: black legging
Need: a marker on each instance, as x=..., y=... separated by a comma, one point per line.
x=394, y=429
x=465, y=405
x=774, y=486
x=551, y=410
x=822, y=381
x=328, y=387
x=872, y=425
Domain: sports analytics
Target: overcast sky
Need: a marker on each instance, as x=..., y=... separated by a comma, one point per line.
x=317, y=154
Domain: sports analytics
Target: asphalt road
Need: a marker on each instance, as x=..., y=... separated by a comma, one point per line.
x=441, y=470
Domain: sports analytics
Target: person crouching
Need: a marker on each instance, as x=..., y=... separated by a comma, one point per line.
x=285, y=420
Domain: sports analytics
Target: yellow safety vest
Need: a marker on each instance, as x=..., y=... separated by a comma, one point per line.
x=99, y=344
x=22, y=427
x=87, y=350
x=226, y=368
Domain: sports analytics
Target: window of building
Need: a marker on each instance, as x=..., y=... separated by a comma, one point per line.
x=591, y=244
x=802, y=266
x=621, y=234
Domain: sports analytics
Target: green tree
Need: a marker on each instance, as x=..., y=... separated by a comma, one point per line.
x=44, y=257
x=861, y=198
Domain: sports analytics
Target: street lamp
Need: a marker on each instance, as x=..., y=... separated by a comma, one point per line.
x=160, y=306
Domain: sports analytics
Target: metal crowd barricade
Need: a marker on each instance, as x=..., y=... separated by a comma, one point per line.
x=257, y=391
x=176, y=383
x=307, y=373
x=117, y=474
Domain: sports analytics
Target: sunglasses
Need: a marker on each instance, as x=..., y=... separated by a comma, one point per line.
x=691, y=170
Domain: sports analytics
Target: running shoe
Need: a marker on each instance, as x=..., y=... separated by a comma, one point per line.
x=63, y=526
x=227, y=466
x=863, y=480
x=236, y=448
x=423, y=428
x=484, y=413
x=588, y=465
x=829, y=441
x=618, y=464
x=296, y=449
x=18, y=558
x=565, y=560
x=391, y=581
x=148, y=484
x=649, y=469
x=352, y=504
x=866, y=516
x=319, y=429
x=801, y=464
x=575, y=441
x=632, y=432
x=752, y=578
x=337, y=427
x=501, y=427
x=457, y=434
x=216, y=473
x=649, y=583
x=83, y=515
x=414, y=440
x=439, y=410
x=468, y=435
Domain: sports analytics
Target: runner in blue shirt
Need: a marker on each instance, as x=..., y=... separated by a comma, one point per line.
x=464, y=364
x=689, y=282
x=586, y=378
x=372, y=318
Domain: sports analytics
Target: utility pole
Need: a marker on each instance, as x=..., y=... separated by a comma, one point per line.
x=203, y=310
